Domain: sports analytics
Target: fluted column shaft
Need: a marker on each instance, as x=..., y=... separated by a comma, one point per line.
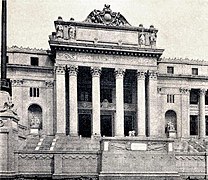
x=73, y=105
x=60, y=100
x=96, y=100
x=141, y=116
x=119, y=120
x=202, y=123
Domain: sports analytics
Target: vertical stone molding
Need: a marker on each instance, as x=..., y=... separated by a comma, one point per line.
x=96, y=71
x=202, y=121
x=60, y=99
x=119, y=120
x=73, y=105
x=185, y=112
x=154, y=126
x=141, y=116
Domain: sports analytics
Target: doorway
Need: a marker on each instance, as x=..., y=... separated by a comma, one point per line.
x=85, y=125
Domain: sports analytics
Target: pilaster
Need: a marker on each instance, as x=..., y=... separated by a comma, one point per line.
x=141, y=115
x=119, y=120
x=60, y=99
x=96, y=71
x=154, y=127
x=73, y=105
x=185, y=112
x=202, y=121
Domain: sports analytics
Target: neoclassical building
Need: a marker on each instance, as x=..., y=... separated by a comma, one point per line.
x=103, y=104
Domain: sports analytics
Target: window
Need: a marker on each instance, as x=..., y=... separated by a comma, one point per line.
x=127, y=96
x=170, y=98
x=206, y=117
x=7, y=59
x=106, y=94
x=34, y=92
x=194, y=96
x=34, y=61
x=170, y=70
x=193, y=125
x=194, y=71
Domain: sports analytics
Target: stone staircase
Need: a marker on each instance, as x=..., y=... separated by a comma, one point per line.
x=46, y=143
x=31, y=142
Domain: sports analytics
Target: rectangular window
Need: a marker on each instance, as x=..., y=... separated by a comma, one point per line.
x=194, y=96
x=170, y=70
x=170, y=98
x=193, y=125
x=7, y=59
x=194, y=71
x=34, y=92
x=34, y=61
x=127, y=95
x=206, y=117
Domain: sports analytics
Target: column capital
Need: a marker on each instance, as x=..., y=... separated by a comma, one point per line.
x=184, y=90
x=152, y=75
x=95, y=71
x=60, y=69
x=73, y=70
x=49, y=84
x=202, y=91
x=119, y=72
x=141, y=74
x=17, y=82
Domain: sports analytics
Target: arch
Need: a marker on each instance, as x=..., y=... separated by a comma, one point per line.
x=171, y=118
x=35, y=116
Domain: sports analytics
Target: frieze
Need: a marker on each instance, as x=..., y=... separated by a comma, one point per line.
x=67, y=56
x=154, y=146
x=120, y=146
x=17, y=82
x=35, y=156
x=107, y=17
x=79, y=157
x=195, y=158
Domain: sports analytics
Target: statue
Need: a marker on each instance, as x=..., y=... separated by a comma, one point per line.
x=35, y=122
x=132, y=133
x=142, y=39
x=153, y=38
x=59, y=31
x=71, y=32
x=170, y=127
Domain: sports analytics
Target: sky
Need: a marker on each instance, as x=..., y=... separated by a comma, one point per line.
x=182, y=24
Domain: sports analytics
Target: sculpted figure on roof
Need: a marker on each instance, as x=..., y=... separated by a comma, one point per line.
x=107, y=17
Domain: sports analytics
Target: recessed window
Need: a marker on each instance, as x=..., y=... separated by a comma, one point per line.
x=194, y=96
x=170, y=98
x=34, y=61
x=7, y=59
x=193, y=125
x=194, y=71
x=170, y=70
x=34, y=92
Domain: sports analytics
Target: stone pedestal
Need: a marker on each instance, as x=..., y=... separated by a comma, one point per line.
x=8, y=136
x=172, y=134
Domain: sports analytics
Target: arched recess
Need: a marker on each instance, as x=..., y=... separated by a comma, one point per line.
x=35, y=116
x=171, y=120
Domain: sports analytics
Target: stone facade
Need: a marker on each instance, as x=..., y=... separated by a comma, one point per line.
x=102, y=103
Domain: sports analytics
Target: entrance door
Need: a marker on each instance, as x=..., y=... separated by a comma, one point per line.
x=106, y=125
x=128, y=125
x=85, y=125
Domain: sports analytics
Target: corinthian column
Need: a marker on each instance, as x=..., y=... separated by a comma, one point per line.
x=141, y=103
x=202, y=123
x=96, y=100
x=119, y=120
x=73, y=116
x=60, y=99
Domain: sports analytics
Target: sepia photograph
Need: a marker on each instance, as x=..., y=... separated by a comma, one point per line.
x=104, y=90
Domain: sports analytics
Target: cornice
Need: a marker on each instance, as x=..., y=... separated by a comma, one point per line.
x=177, y=76
x=182, y=61
x=105, y=49
x=35, y=68
x=16, y=49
